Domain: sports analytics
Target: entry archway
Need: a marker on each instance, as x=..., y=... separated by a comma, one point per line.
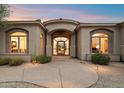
x=61, y=43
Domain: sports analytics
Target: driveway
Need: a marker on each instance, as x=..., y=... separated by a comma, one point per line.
x=57, y=74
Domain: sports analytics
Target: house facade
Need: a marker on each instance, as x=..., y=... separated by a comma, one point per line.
x=62, y=37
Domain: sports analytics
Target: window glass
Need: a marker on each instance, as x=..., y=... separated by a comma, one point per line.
x=100, y=43
x=18, y=34
x=23, y=45
x=95, y=45
x=104, y=45
x=14, y=44
x=18, y=42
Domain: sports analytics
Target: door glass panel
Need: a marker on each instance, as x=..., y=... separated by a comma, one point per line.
x=61, y=46
x=54, y=47
x=67, y=47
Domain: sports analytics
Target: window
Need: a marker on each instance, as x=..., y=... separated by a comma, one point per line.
x=99, y=43
x=18, y=42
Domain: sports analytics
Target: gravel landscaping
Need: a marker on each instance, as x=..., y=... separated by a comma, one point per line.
x=111, y=76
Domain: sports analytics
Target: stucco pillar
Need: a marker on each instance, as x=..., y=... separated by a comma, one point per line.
x=2, y=42
x=76, y=45
x=83, y=43
x=49, y=46
x=122, y=44
x=45, y=43
x=116, y=42
x=72, y=46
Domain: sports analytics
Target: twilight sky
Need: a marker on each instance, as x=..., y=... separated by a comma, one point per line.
x=80, y=12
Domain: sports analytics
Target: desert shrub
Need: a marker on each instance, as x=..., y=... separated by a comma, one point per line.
x=33, y=58
x=102, y=59
x=43, y=59
x=5, y=60
x=16, y=61
x=46, y=59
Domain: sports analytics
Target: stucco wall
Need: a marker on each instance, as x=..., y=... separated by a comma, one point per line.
x=49, y=46
x=73, y=46
x=84, y=41
x=36, y=46
x=40, y=42
x=57, y=26
x=34, y=38
x=2, y=44
x=122, y=43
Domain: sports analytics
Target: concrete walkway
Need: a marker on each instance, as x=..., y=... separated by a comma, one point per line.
x=57, y=74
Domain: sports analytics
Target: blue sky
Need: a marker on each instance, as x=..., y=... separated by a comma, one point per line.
x=80, y=12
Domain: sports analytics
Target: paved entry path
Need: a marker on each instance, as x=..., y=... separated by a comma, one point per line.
x=56, y=74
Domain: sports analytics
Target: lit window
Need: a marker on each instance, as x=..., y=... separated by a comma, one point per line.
x=100, y=43
x=41, y=36
x=18, y=42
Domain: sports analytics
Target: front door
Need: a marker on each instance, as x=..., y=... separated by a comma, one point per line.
x=60, y=48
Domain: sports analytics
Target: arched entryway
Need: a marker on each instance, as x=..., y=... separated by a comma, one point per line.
x=61, y=41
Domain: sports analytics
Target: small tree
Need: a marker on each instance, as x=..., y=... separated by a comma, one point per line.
x=4, y=12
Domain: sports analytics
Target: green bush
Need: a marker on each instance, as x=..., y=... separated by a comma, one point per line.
x=5, y=60
x=43, y=59
x=102, y=59
x=33, y=58
x=16, y=61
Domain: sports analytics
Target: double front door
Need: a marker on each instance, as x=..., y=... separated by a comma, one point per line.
x=61, y=48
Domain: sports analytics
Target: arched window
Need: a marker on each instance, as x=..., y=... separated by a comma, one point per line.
x=18, y=42
x=100, y=43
